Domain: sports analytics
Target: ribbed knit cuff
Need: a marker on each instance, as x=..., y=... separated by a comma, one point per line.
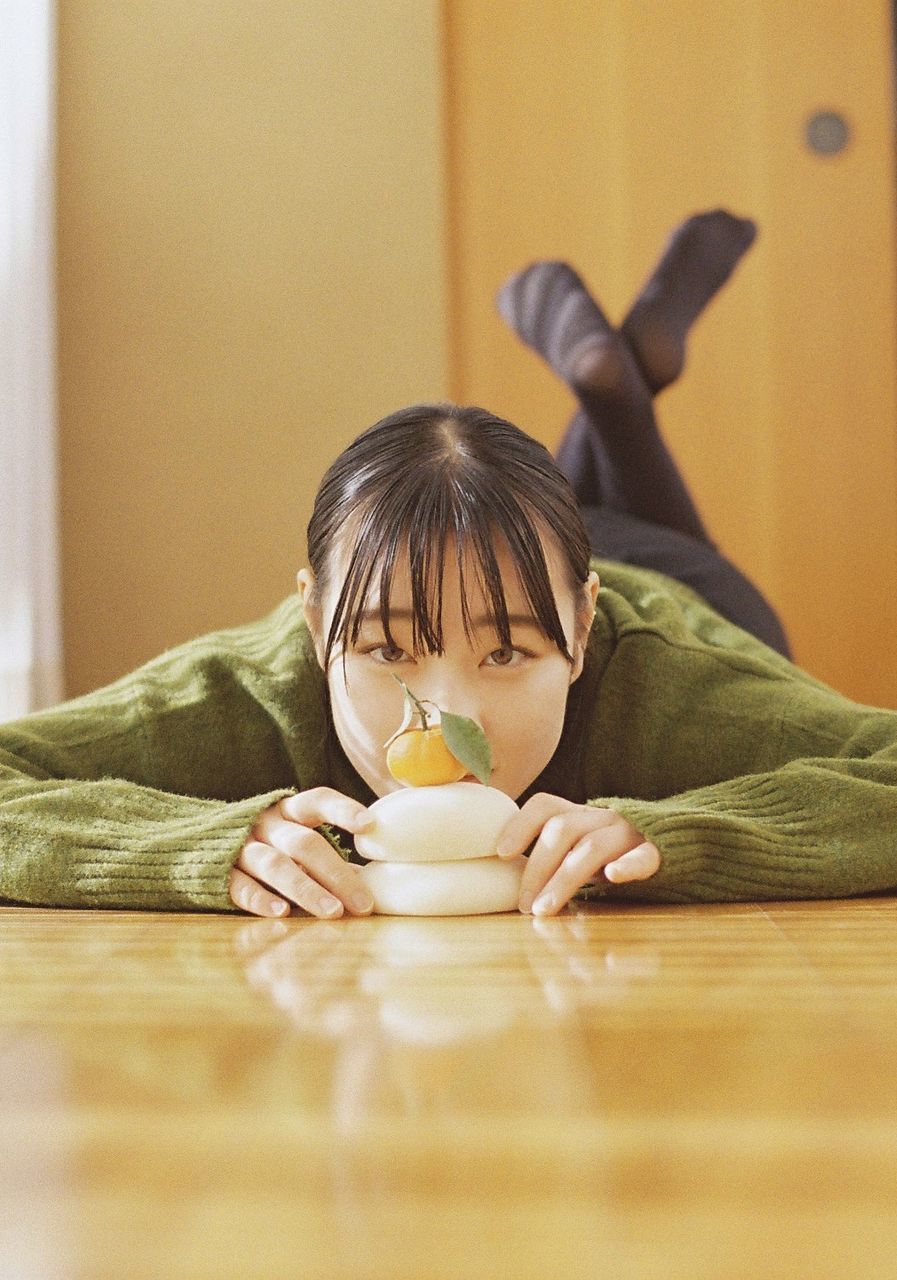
x=178, y=862
x=742, y=840
x=111, y=844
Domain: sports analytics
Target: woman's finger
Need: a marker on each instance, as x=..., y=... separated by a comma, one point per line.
x=249, y=895
x=639, y=863
x=305, y=868
x=597, y=851
x=522, y=829
x=309, y=850
x=556, y=839
x=276, y=869
x=323, y=804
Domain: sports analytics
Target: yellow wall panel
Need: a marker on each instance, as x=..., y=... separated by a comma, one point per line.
x=251, y=270
x=586, y=131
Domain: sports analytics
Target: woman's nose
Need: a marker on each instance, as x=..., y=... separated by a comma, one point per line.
x=454, y=698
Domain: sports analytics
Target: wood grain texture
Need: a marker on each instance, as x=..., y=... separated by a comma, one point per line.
x=686, y=1092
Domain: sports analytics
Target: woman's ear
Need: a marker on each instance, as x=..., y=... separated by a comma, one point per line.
x=311, y=607
x=585, y=615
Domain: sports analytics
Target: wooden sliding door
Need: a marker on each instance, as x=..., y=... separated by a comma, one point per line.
x=585, y=129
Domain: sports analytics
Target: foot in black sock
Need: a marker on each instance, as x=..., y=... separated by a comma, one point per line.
x=549, y=307
x=698, y=259
x=615, y=454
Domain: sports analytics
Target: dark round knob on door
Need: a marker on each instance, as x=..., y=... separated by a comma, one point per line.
x=827, y=133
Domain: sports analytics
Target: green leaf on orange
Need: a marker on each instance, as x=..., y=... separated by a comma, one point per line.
x=467, y=743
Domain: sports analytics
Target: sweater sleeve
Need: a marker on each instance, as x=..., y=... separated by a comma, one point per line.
x=754, y=780
x=142, y=794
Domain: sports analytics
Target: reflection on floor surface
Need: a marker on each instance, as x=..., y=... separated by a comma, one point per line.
x=629, y=1091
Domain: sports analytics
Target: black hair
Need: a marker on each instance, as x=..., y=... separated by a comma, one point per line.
x=425, y=474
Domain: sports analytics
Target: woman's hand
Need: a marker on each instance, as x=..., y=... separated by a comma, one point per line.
x=285, y=854
x=574, y=843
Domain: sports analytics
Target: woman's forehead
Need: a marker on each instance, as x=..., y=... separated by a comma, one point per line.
x=445, y=605
x=453, y=578
x=468, y=578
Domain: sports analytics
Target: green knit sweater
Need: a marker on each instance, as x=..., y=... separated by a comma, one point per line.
x=754, y=780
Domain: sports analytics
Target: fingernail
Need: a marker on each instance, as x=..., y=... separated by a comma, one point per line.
x=361, y=900
x=279, y=908
x=526, y=901
x=331, y=908
x=544, y=905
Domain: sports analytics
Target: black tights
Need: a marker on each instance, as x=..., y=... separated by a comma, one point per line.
x=612, y=465
x=637, y=509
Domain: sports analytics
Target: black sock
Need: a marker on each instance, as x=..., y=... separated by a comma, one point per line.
x=614, y=453
x=549, y=307
x=698, y=259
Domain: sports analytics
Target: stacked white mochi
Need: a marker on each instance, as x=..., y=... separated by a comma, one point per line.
x=432, y=851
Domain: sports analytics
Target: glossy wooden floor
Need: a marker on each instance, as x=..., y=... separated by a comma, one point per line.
x=665, y=1092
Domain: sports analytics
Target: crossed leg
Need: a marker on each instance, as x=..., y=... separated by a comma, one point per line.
x=613, y=451
x=635, y=501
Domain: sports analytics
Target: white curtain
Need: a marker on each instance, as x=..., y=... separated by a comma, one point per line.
x=30, y=645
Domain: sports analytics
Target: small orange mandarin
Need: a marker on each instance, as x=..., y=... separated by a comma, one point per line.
x=420, y=758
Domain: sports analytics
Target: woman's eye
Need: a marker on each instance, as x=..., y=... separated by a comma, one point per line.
x=388, y=653
x=506, y=656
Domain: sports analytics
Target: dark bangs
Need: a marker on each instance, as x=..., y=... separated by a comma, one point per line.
x=427, y=475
